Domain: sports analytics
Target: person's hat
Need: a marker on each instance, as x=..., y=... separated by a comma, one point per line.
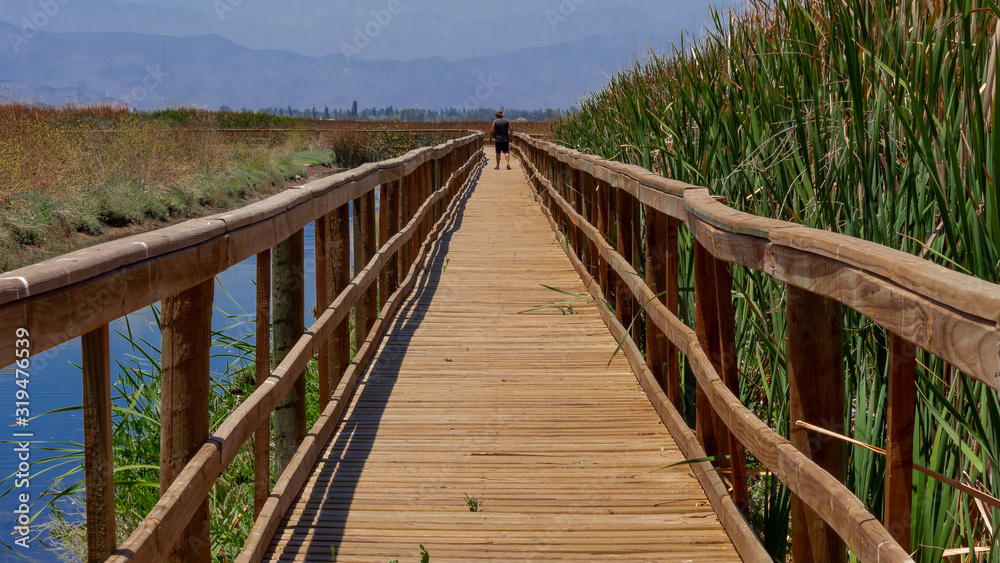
x=499, y=113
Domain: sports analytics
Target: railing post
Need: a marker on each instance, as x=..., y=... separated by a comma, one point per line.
x=604, y=226
x=636, y=260
x=729, y=369
x=816, y=395
x=661, y=277
x=577, y=191
x=262, y=370
x=186, y=321
x=361, y=235
x=707, y=327
x=383, y=235
x=899, y=439
x=391, y=219
x=405, y=186
x=623, y=296
x=370, y=231
x=98, y=456
x=289, y=321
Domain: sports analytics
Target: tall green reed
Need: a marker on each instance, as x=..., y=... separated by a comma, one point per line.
x=868, y=118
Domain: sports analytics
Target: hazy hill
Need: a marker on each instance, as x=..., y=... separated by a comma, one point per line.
x=151, y=71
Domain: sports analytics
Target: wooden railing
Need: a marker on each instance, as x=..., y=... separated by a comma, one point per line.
x=80, y=293
x=950, y=315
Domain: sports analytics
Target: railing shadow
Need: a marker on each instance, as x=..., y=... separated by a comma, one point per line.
x=339, y=467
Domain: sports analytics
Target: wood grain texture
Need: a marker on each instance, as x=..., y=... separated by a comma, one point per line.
x=833, y=501
x=178, y=505
x=740, y=532
x=97, y=442
x=292, y=480
x=951, y=315
x=816, y=396
x=262, y=369
x=467, y=396
x=288, y=298
x=902, y=401
x=186, y=324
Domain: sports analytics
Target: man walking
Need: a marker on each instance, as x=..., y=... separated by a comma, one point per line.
x=500, y=134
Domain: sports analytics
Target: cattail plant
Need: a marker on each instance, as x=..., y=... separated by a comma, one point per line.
x=871, y=118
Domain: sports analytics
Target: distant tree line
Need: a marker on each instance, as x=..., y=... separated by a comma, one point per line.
x=412, y=114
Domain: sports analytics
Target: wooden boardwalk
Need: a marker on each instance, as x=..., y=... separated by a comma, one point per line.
x=470, y=395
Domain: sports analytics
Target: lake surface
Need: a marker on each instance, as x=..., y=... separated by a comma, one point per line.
x=56, y=383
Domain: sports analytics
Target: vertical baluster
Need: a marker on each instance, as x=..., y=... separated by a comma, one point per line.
x=816, y=396
x=392, y=216
x=707, y=327
x=262, y=370
x=288, y=290
x=623, y=296
x=672, y=290
x=186, y=320
x=383, y=236
x=575, y=188
x=657, y=343
x=899, y=439
x=97, y=434
x=360, y=310
x=604, y=226
x=370, y=241
x=731, y=376
x=636, y=260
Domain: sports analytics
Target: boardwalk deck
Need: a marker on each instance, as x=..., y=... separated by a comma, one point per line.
x=469, y=395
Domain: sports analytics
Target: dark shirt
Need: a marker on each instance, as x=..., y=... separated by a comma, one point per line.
x=501, y=130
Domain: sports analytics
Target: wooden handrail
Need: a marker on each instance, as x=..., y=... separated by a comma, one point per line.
x=161, y=528
x=81, y=292
x=956, y=317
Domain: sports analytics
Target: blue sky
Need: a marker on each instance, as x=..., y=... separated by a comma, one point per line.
x=418, y=28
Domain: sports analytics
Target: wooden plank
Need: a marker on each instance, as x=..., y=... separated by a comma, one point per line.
x=289, y=318
x=731, y=516
x=182, y=499
x=262, y=369
x=816, y=395
x=404, y=476
x=902, y=401
x=292, y=480
x=186, y=324
x=97, y=441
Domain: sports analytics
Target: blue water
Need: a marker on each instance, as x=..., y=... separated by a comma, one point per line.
x=55, y=383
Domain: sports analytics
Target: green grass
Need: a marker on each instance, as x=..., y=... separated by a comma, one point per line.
x=859, y=117
x=314, y=157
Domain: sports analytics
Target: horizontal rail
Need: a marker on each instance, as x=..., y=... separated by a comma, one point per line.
x=80, y=293
x=65, y=297
x=166, y=522
x=292, y=480
x=954, y=316
x=817, y=488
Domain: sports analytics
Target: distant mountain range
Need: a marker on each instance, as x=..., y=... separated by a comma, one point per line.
x=149, y=71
